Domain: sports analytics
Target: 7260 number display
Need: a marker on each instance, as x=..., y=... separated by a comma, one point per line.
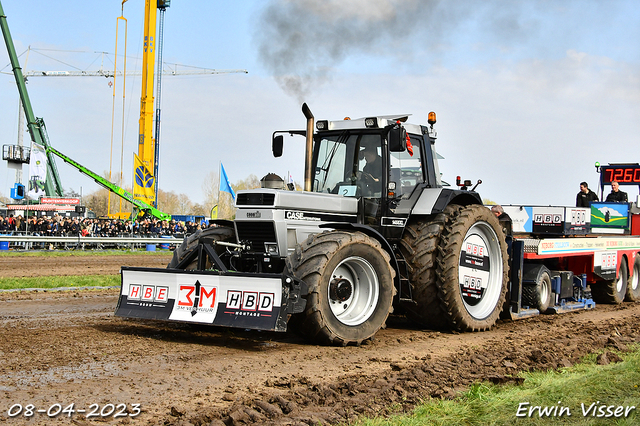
x=629, y=175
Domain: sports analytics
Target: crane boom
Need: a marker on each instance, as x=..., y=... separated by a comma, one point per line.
x=110, y=73
x=126, y=195
x=144, y=164
x=37, y=130
x=40, y=138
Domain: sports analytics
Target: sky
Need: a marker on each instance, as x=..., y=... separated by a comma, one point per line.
x=528, y=94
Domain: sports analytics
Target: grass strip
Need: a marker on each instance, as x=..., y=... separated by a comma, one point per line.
x=585, y=394
x=59, y=281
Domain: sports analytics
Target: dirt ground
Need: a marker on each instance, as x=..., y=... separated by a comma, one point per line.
x=31, y=266
x=68, y=348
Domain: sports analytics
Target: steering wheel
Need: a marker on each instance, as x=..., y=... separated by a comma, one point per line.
x=366, y=182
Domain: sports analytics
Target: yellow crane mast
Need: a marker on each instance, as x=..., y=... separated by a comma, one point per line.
x=145, y=161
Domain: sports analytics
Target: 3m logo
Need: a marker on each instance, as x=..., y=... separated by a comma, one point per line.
x=197, y=297
x=475, y=249
x=250, y=301
x=148, y=293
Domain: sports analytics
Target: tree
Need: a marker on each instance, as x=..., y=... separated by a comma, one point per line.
x=70, y=193
x=210, y=188
x=250, y=182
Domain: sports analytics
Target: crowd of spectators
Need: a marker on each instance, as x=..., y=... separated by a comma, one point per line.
x=65, y=226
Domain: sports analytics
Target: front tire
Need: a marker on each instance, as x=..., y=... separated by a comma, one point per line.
x=190, y=243
x=472, y=269
x=350, y=284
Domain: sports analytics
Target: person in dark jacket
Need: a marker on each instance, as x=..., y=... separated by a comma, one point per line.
x=616, y=196
x=586, y=196
x=74, y=228
x=503, y=218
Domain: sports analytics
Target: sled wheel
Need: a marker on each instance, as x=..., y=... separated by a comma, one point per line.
x=190, y=243
x=612, y=291
x=350, y=284
x=472, y=269
x=419, y=246
x=536, y=291
x=633, y=285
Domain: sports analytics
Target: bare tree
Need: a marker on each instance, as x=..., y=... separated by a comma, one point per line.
x=210, y=188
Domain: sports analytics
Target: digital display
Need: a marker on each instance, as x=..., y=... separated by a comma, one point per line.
x=624, y=175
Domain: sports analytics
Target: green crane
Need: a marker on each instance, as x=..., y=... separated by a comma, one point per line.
x=37, y=129
x=139, y=206
x=39, y=136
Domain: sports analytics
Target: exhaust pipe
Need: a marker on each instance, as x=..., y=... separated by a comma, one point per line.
x=308, y=173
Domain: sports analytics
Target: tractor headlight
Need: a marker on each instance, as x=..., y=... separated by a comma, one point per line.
x=371, y=122
x=271, y=249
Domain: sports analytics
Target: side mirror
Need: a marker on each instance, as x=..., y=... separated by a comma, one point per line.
x=277, y=144
x=397, y=138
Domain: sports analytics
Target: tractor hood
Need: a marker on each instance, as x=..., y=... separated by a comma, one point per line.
x=299, y=200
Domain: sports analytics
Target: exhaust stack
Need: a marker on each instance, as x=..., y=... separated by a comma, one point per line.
x=308, y=173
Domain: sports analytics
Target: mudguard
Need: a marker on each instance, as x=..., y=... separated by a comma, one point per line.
x=255, y=301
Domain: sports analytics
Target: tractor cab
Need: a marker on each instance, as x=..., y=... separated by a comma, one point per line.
x=379, y=160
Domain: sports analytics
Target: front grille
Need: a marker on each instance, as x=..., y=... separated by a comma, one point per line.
x=255, y=199
x=256, y=234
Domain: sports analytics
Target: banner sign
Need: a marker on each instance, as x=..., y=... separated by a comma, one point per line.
x=143, y=182
x=37, y=172
x=610, y=215
x=61, y=201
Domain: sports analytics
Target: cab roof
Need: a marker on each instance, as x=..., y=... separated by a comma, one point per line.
x=376, y=122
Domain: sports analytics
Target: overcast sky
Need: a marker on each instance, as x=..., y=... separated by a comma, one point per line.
x=528, y=94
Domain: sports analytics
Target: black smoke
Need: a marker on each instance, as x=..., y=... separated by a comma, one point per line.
x=302, y=41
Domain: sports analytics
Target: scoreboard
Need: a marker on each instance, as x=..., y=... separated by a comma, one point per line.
x=624, y=174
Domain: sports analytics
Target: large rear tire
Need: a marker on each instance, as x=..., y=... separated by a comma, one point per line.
x=190, y=243
x=351, y=289
x=612, y=292
x=536, y=291
x=419, y=246
x=633, y=285
x=472, y=269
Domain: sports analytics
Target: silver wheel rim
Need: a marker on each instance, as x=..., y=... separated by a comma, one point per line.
x=482, y=234
x=619, y=282
x=545, y=290
x=353, y=291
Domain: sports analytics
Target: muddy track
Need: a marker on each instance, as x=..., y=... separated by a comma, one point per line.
x=37, y=266
x=67, y=347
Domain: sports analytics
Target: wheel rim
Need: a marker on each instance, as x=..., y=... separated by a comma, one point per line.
x=353, y=291
x=545, y=290
x=620, y=282
x=480, y=270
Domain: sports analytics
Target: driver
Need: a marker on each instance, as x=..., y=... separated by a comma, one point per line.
x=374, y=162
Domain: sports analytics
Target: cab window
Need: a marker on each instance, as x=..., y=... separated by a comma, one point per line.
x=406, y=169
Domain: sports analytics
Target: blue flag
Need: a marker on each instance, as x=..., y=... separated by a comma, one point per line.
x=224, y=183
